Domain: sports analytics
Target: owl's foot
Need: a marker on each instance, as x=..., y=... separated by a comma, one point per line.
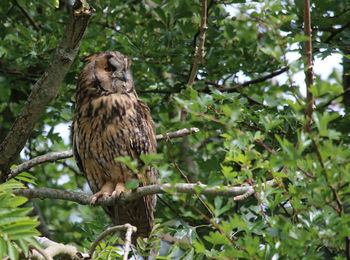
x=105, y=192
x=119, y=188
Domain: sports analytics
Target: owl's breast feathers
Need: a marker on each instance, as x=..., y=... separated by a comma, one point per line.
x=108, y=127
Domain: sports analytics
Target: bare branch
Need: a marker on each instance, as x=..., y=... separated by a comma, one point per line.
x=85, y=198
x=249, y=82
x=199, y=51
x=198, y=57
x=127, y=244
x=307, y=173
x=160, y=91
x=250, y=190
x=24, y=11
x=309, y=74
x=52, y=249
x=46, y=88
x=49, y=157
x=337, y=31
x=187, y=180
x=178, y=133
x=54, y=156
x=335, y=97
x=129, y=230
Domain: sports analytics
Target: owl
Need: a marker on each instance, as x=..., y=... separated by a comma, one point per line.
x=111, y=121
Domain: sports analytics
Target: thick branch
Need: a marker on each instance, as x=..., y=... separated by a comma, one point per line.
x=199, y=51
x=46, y=88
x=54, y=156
x=309, y=75
x=85, y=198
x=52, y=249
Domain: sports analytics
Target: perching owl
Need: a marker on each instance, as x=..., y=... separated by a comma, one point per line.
x=111, y=121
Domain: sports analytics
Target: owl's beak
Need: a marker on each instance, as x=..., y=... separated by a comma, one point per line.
x=124, y=77
x=121, y=76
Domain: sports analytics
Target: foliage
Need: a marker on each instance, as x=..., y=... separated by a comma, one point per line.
x=248, y=135
x=17, y=230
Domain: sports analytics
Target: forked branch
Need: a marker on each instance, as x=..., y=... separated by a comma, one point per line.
x=46, y=88
x=127, y=242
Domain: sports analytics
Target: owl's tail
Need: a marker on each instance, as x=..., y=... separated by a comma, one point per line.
x=138, y=213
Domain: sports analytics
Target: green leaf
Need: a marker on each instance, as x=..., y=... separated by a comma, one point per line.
x=3, y=248
x=131, y=164
x=13, y=253
x=132, y=184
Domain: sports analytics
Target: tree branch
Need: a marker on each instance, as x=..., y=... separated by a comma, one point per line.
x=249, y=82
x=198, y=57
x=85, y=198
x=49, y=157
x=129, y=230
x=199, y=51
x=337, y=31
x=179, y=133
x=335, y=97
x=24, y=11
x=309, y=74
x=54, y=156
x=52, y=249
x=46, y=88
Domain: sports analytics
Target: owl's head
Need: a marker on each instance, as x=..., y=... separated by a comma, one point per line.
x=108, y=72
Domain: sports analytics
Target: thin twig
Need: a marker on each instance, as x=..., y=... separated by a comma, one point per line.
x=216, y=225
x=337, y=31
x=160, y=91
x=24, y=11
x=49, y=157
x=127, y=244
x=198, y=57
x=334, y=98
x=267, y=148
x=54, y=156
x=307, y=173
x=334, y=191
x=108, y=232
x=249, y=82
x=187, y=180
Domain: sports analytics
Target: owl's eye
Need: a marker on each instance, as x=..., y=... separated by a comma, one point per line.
x=109, y=69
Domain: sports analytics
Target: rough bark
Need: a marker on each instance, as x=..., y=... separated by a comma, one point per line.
x=46, y=88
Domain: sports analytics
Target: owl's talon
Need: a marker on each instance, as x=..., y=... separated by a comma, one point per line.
x=96, y=196
x=118, y=190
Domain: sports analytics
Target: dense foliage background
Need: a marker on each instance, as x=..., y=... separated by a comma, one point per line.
x=251, y=130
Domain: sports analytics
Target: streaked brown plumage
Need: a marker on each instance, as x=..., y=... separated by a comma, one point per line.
x=111, y=121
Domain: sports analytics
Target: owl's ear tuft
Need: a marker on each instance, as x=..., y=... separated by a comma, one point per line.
x=128, y=62
x=90, y=57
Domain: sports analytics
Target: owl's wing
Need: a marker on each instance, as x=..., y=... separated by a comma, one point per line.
x=145, y=142
x=144, y=139
x=76, y=154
